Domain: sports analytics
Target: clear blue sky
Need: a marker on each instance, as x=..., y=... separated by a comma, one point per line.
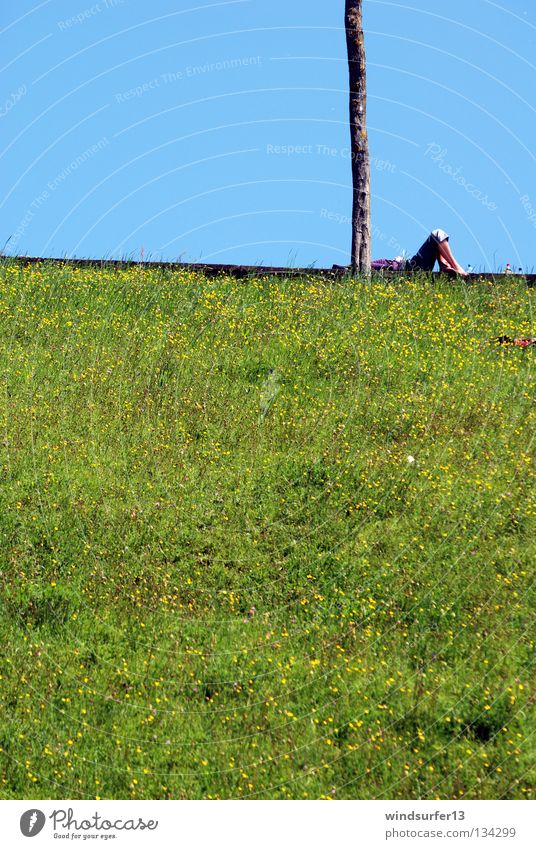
x=218, y=131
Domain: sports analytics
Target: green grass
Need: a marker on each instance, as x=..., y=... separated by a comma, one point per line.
x=221, y=573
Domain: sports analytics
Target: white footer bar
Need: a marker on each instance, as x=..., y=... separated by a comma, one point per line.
x=270, y=824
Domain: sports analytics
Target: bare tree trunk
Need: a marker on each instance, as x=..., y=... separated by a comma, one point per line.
x=359, y=139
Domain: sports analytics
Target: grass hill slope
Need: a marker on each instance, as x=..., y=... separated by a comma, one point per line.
x=265, y=539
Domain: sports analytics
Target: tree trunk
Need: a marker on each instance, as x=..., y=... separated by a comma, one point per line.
x=358, y=136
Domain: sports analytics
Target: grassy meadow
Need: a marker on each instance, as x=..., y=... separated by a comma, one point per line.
x=265, y=538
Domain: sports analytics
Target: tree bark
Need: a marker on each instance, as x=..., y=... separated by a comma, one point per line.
x=355, y=41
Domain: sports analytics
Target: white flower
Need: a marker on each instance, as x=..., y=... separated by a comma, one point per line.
x=411, y=460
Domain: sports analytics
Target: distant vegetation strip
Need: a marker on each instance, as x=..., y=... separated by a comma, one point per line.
x=236, y=271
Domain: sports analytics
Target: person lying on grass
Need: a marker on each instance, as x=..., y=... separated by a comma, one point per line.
x=434, y=249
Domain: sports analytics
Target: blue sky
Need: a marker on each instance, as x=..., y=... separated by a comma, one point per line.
x=218, y=131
